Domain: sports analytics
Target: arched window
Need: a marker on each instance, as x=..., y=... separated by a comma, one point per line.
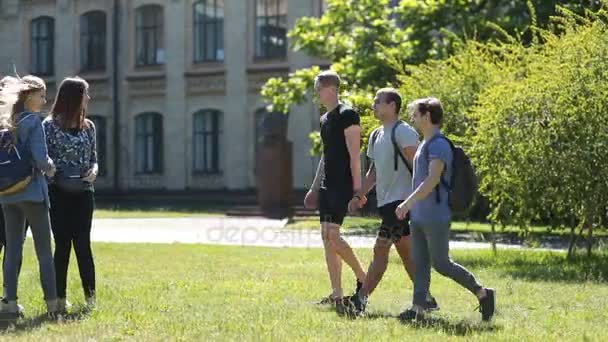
x=93, y=41
x=149, y=143
x=150, y=49
x=207, y=141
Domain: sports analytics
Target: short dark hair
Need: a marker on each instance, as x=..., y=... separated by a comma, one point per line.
x=391, y=95
x=327, y=78
x=430, y=105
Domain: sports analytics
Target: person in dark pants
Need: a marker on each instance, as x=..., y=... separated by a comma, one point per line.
x=431, y=214
x=71, y=142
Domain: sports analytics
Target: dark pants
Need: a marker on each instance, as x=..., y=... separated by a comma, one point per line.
x=71, y=218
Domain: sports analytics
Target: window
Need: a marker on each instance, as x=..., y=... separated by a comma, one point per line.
x=101, y=139
x=42, y=52
x=208, y=31
x=149, y=143
x=149, y=36
x=207, y=134
x=271, y=29
x=93, y=41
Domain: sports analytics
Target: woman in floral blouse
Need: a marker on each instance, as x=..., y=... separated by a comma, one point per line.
x=71, y=143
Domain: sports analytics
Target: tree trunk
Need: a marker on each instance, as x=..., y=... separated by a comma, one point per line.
x=573, y=240
x=589, y=240
x=493, y=226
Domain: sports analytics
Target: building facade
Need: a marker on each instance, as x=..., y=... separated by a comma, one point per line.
x=174, y=83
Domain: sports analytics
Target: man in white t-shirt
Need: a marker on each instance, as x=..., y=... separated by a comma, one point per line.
x=392, y=147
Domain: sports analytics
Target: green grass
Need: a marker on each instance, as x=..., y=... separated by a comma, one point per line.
x=369, y=224
x=196, y=292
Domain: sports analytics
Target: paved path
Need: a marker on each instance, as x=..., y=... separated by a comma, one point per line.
x=252, y=231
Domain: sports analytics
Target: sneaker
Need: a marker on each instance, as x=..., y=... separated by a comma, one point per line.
x=487, y=305
x=411, y=315
x=329, y=300
x=63, y=305
x=431, y=304
x=355, y=306
x=11, y=308
x=91, y=302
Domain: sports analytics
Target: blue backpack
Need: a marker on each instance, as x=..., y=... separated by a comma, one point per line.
x=16, y=169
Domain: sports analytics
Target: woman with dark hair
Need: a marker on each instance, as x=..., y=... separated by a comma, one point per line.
x=71, y=141
x=26, y=199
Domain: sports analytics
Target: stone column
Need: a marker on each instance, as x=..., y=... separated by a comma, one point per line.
x=175, y=116
x=237, y=131
x=302, y=118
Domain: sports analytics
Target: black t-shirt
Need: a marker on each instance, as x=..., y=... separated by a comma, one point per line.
x=335, y=151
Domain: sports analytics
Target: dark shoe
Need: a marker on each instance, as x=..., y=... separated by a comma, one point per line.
x=431, y=304
x=354, y=306
x=329, y=300
x=410, y=315
x=343, y=306
x=487, y=305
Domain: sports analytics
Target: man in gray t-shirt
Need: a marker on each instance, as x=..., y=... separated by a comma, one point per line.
x=391, y=146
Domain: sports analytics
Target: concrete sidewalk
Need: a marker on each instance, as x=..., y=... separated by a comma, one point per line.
x=252, y=231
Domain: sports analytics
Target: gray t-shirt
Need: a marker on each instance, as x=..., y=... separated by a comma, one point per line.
x=391, y=185
x=428, y=210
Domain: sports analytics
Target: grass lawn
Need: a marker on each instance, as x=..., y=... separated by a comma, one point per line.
x=196, y=292
x=369, y=224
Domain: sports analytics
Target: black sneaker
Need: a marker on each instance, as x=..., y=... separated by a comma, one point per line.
x=487, y=305
x=354, y=305
x=329, y=300
x=410, y=315
x=431, y=304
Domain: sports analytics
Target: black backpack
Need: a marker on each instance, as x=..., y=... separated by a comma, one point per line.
x=398, y=154
x=463, y=183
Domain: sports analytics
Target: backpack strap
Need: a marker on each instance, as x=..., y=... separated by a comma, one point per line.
x=398, y=153
x=427, y=157
x=374, y=138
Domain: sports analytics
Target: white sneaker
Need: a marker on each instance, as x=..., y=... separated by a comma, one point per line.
x=63, y=305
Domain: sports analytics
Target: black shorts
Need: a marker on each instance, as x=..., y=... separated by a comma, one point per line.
x=391, y=227
x=333, y=205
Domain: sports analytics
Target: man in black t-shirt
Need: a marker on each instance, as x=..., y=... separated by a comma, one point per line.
x=338, y=178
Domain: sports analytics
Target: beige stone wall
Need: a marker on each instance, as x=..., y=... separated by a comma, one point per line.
x=177, y=89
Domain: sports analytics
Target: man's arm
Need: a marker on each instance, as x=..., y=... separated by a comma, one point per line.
x=316, y=183
x=410, y=152
x=428, y=185
x=368, y=182
x=353, y=144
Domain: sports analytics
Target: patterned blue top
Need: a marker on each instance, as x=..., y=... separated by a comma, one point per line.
x=30, y=132
x=72, y=149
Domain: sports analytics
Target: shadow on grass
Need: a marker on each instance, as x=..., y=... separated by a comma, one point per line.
x=541, y=266
x=458, y=328
x=10, y=324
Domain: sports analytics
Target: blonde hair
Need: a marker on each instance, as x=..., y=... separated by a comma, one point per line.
x=9, y=94
x=14, y=91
